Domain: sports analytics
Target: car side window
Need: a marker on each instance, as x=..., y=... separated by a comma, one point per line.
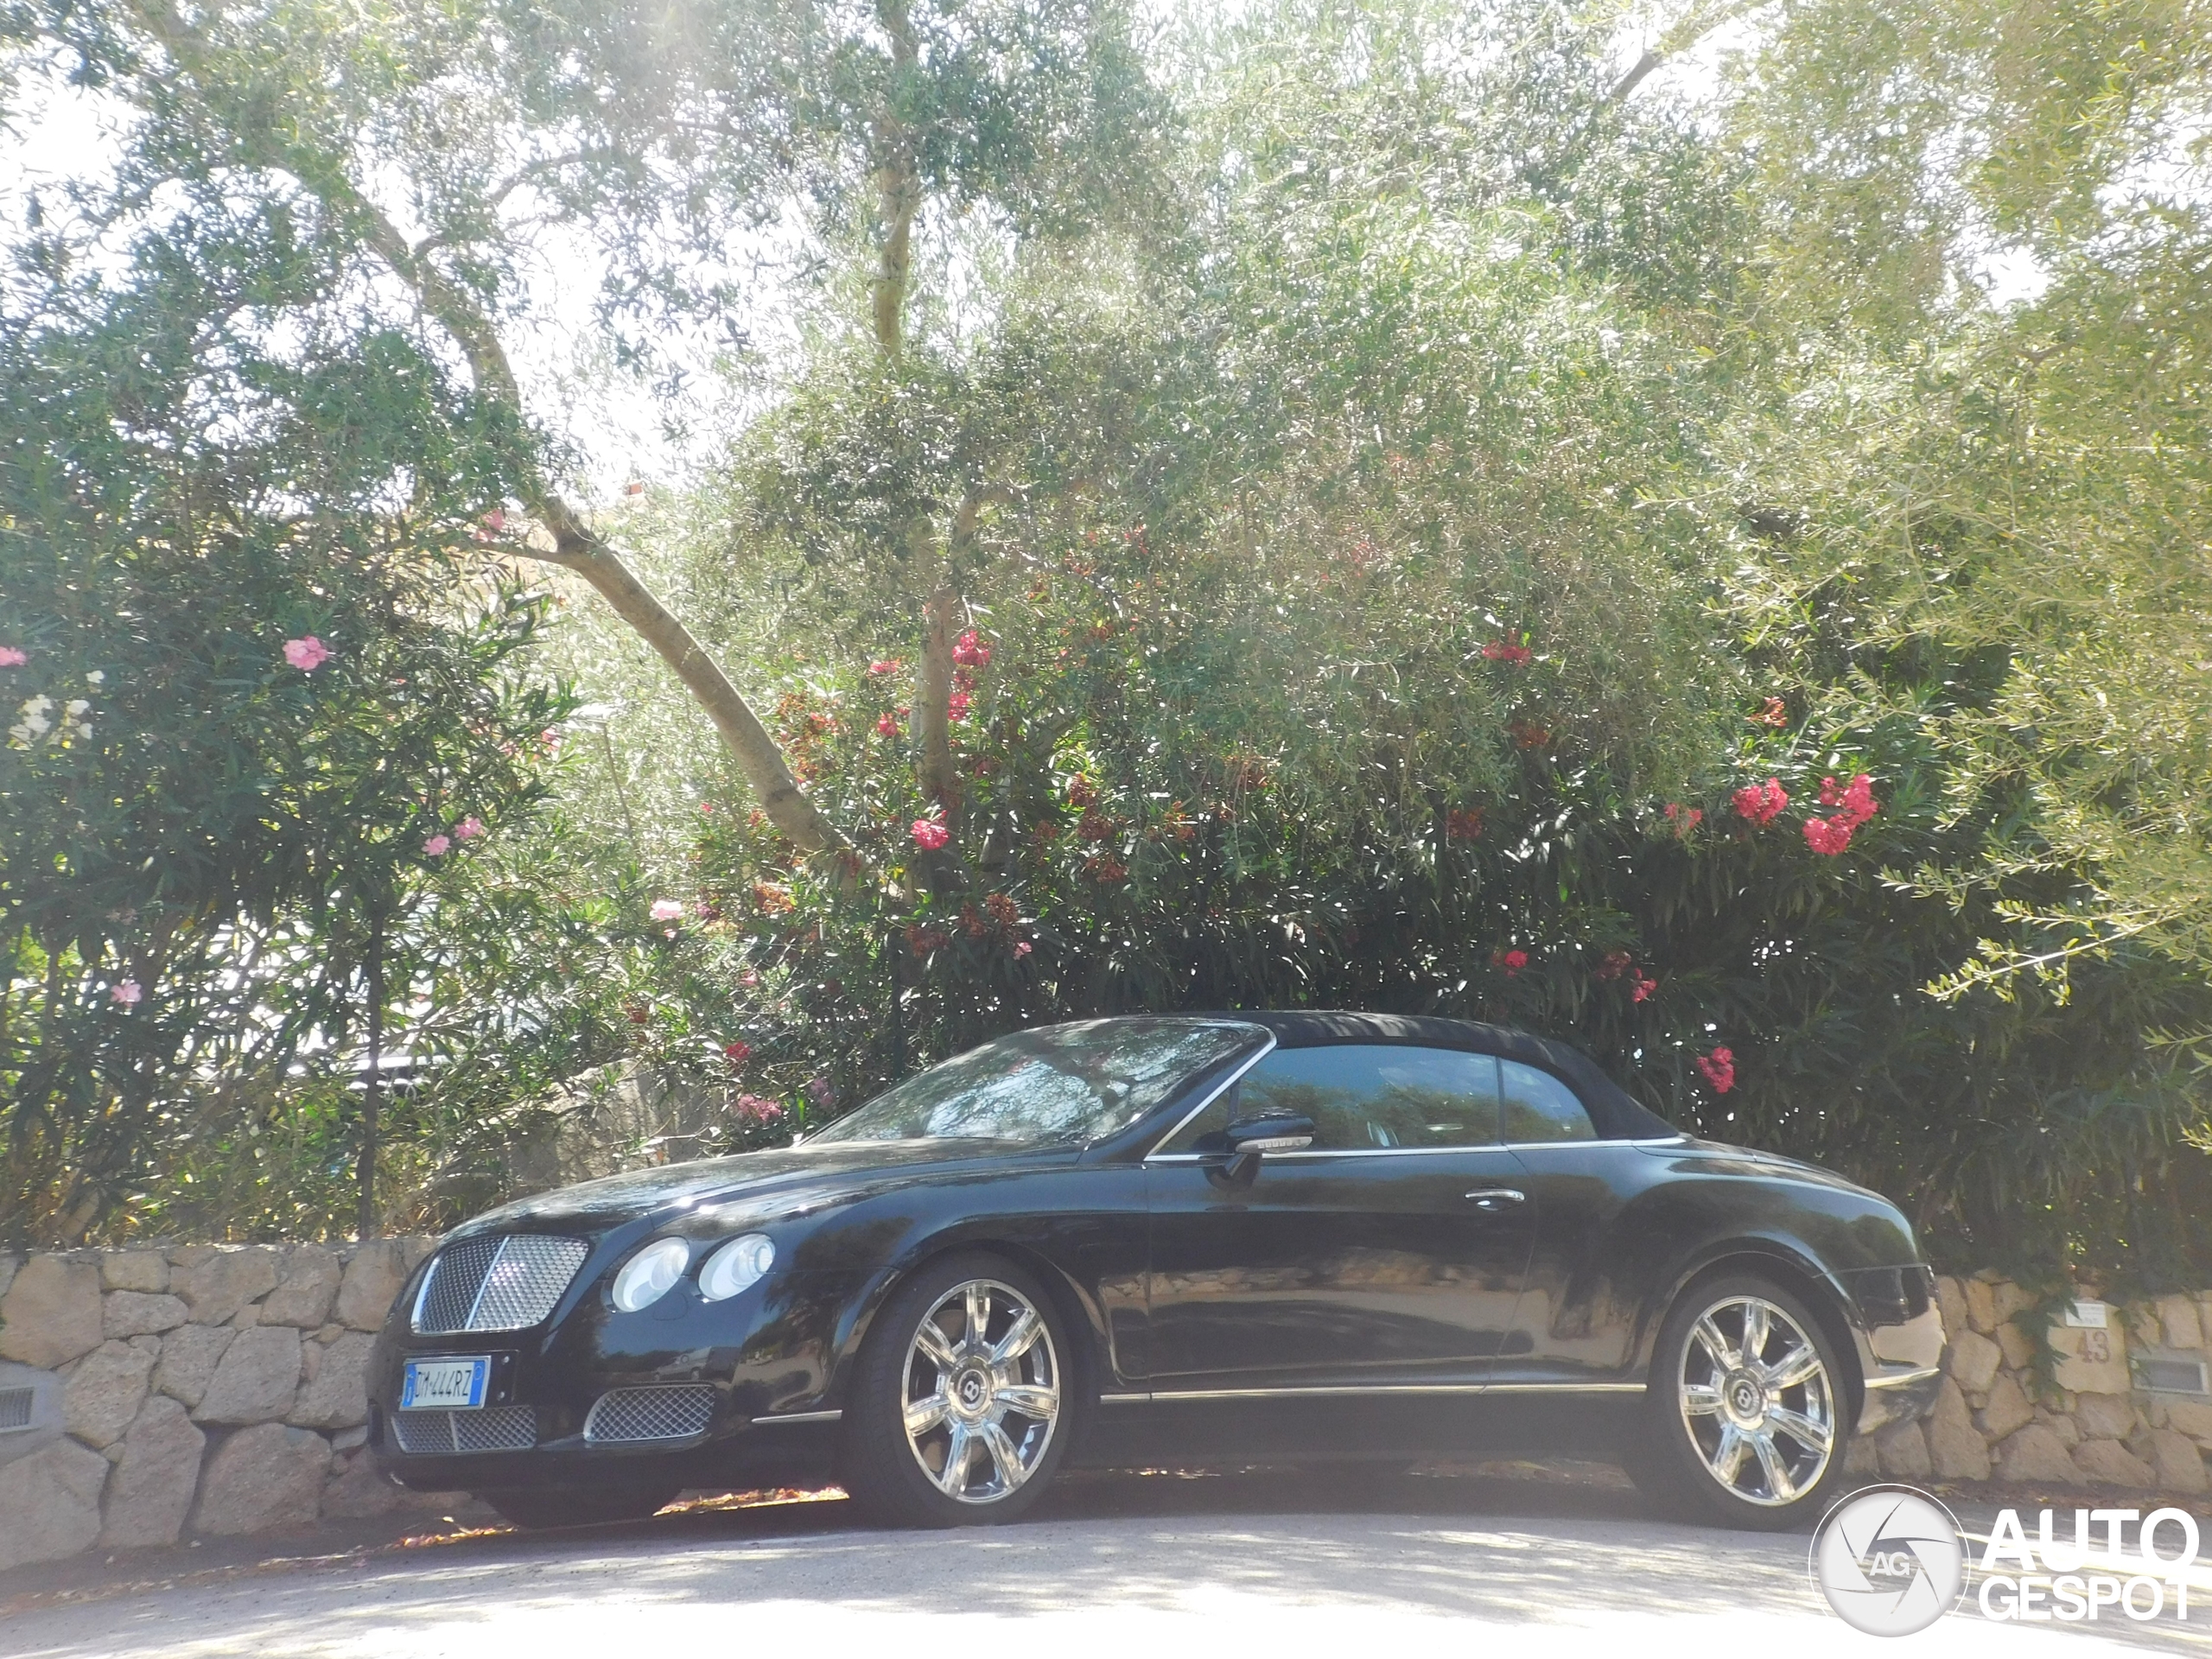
x=1537, y=1106
x=1362, y=1097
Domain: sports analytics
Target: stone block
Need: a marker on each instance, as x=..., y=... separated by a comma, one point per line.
x=2093, y=1362
x=2105, y=1416
x=189, y=1356
x=2007, y=1299
x=138, y=1313
x=2176, y=1461
x=1972, y=1361
x=51, y=1315
x=144, y=1271
x=1955, y=1448
x=1862, y=1458
x=2110, y=1464
x=2192, y=1418
x=2015, y=1344
x=262, y=1479
x=1901, y=1451
x=374, y=1274
x=50, y=1501
x=215, y=1287
x=9, y=1262
x=1951, y=1302
x=2068, y=1433
x=2178, y=1319
x=256, y=1379
x=336, y=1395
x=2036, y=1457
x=105, y=1391
x=2007, y=1409
x=1982, y=1306
x=305, y=1290
x=152, y=1490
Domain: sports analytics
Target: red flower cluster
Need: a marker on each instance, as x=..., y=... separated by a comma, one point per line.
x=758, y=1109
x=970, y=650
x=1528, y=734
x=1616, y=964
x=923, y=940
x=1082, y=792
x=1644, y=988
x=1854, y=802
x=1095, y=826
x=1684, y=818
x=1105, y=869
x=955, y=706
x=883, y=666
x=1761, y=804
x=886, y=725
x=1464, y=824
x=1775, y=715
x=774, y=900
x=1498, y=651
x=929, y=834
x=1719, y=1069
x=737, y=1054
x=1512, y=961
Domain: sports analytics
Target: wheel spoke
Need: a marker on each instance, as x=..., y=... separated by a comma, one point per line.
x=979, y=1314
x=1777, y=1473
x=1700, y=1399
x=1020, y=1337
x=1031, y=1399
x=1800, y=1365
x=1756, y=1330
x=1003, y=1456
x=952, y=1479
x=1728, y=1458
x=923, y=1415
x=1812, y=1435
x=1709, y=1338
x=935, y=1346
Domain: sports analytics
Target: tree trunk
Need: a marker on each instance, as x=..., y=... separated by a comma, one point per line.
x=365, y=1168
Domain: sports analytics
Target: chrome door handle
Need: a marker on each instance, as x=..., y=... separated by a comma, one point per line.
x=1496, y=1197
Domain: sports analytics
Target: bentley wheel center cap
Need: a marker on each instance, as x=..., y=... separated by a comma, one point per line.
x=1747, y=1397
x=972, y=1390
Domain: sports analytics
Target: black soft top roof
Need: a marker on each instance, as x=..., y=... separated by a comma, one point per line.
x=1617, y=1115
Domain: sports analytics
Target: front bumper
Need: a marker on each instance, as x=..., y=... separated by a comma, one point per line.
x=1899, y=1337
x=701, y=1393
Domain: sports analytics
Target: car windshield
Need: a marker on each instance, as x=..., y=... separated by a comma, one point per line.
x=1057, y=1085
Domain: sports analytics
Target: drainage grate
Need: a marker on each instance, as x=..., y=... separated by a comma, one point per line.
x=665, y=1414
x=495, y=1284
x=16, y=1408
x=495, y=1428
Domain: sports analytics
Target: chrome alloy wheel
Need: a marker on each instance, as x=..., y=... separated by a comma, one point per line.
x=1758, y=1400
x=983, y=1392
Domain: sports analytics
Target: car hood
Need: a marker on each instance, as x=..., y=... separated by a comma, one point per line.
x=1719, y=1154
x=786, y=1177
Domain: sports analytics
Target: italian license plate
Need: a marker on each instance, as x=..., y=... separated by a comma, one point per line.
x=445, y=1384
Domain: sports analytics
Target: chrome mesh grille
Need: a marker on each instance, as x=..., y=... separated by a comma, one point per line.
x=14, y=1408
x=664, y=1413
x=494, y=1429
x=496, y=1284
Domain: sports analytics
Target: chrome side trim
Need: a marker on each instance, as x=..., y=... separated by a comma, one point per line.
x=1212, y=1095
x=1902, y=1379
x=801, y=1417
x=1124, y=1399
x=1398, y=1152
x=1320, y=1389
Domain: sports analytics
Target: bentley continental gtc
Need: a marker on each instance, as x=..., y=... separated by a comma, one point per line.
x=1250, y=1237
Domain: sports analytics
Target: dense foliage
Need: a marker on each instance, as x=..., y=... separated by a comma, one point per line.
x=1371, y=505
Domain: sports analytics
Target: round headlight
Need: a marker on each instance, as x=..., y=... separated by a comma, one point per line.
x=737, y=1266
x=649, y=1275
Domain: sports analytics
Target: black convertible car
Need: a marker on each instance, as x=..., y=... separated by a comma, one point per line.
x=1280, y=1236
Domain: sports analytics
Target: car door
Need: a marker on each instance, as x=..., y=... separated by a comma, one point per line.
x=1574, y=1325
x=1390, y=1253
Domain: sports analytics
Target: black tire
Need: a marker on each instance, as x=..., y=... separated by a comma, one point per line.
x=1693, y=1402
x=536, y=1508
x=905, y=1482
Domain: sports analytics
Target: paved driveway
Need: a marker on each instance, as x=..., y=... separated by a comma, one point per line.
x=1136, y=1566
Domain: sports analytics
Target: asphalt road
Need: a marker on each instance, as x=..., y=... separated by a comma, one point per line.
x=1139, y=1566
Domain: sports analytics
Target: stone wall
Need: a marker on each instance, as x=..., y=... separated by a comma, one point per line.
x=205, y=1389
x=1992, y=1421
x=212, y=1390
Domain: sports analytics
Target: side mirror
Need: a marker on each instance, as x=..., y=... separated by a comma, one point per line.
x=1247, y=1141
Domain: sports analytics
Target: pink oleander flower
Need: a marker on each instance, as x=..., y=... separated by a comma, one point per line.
x=956, y=707
x=491, y=524
x=1644, y=988
x=667, y=910
x=306, y=653
x=759, y=1108
x=469, y=828
x=737, y=1054
x=127, y=992
x=1719, y=1069
x=886, y=725
x=438, y=846
x=1828, y=836
x=1512, y=961
x=1761, y=804
x=929, y=834
x=1023, y=948
x=13, y=657
x=885, y=667
x=970, y=650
